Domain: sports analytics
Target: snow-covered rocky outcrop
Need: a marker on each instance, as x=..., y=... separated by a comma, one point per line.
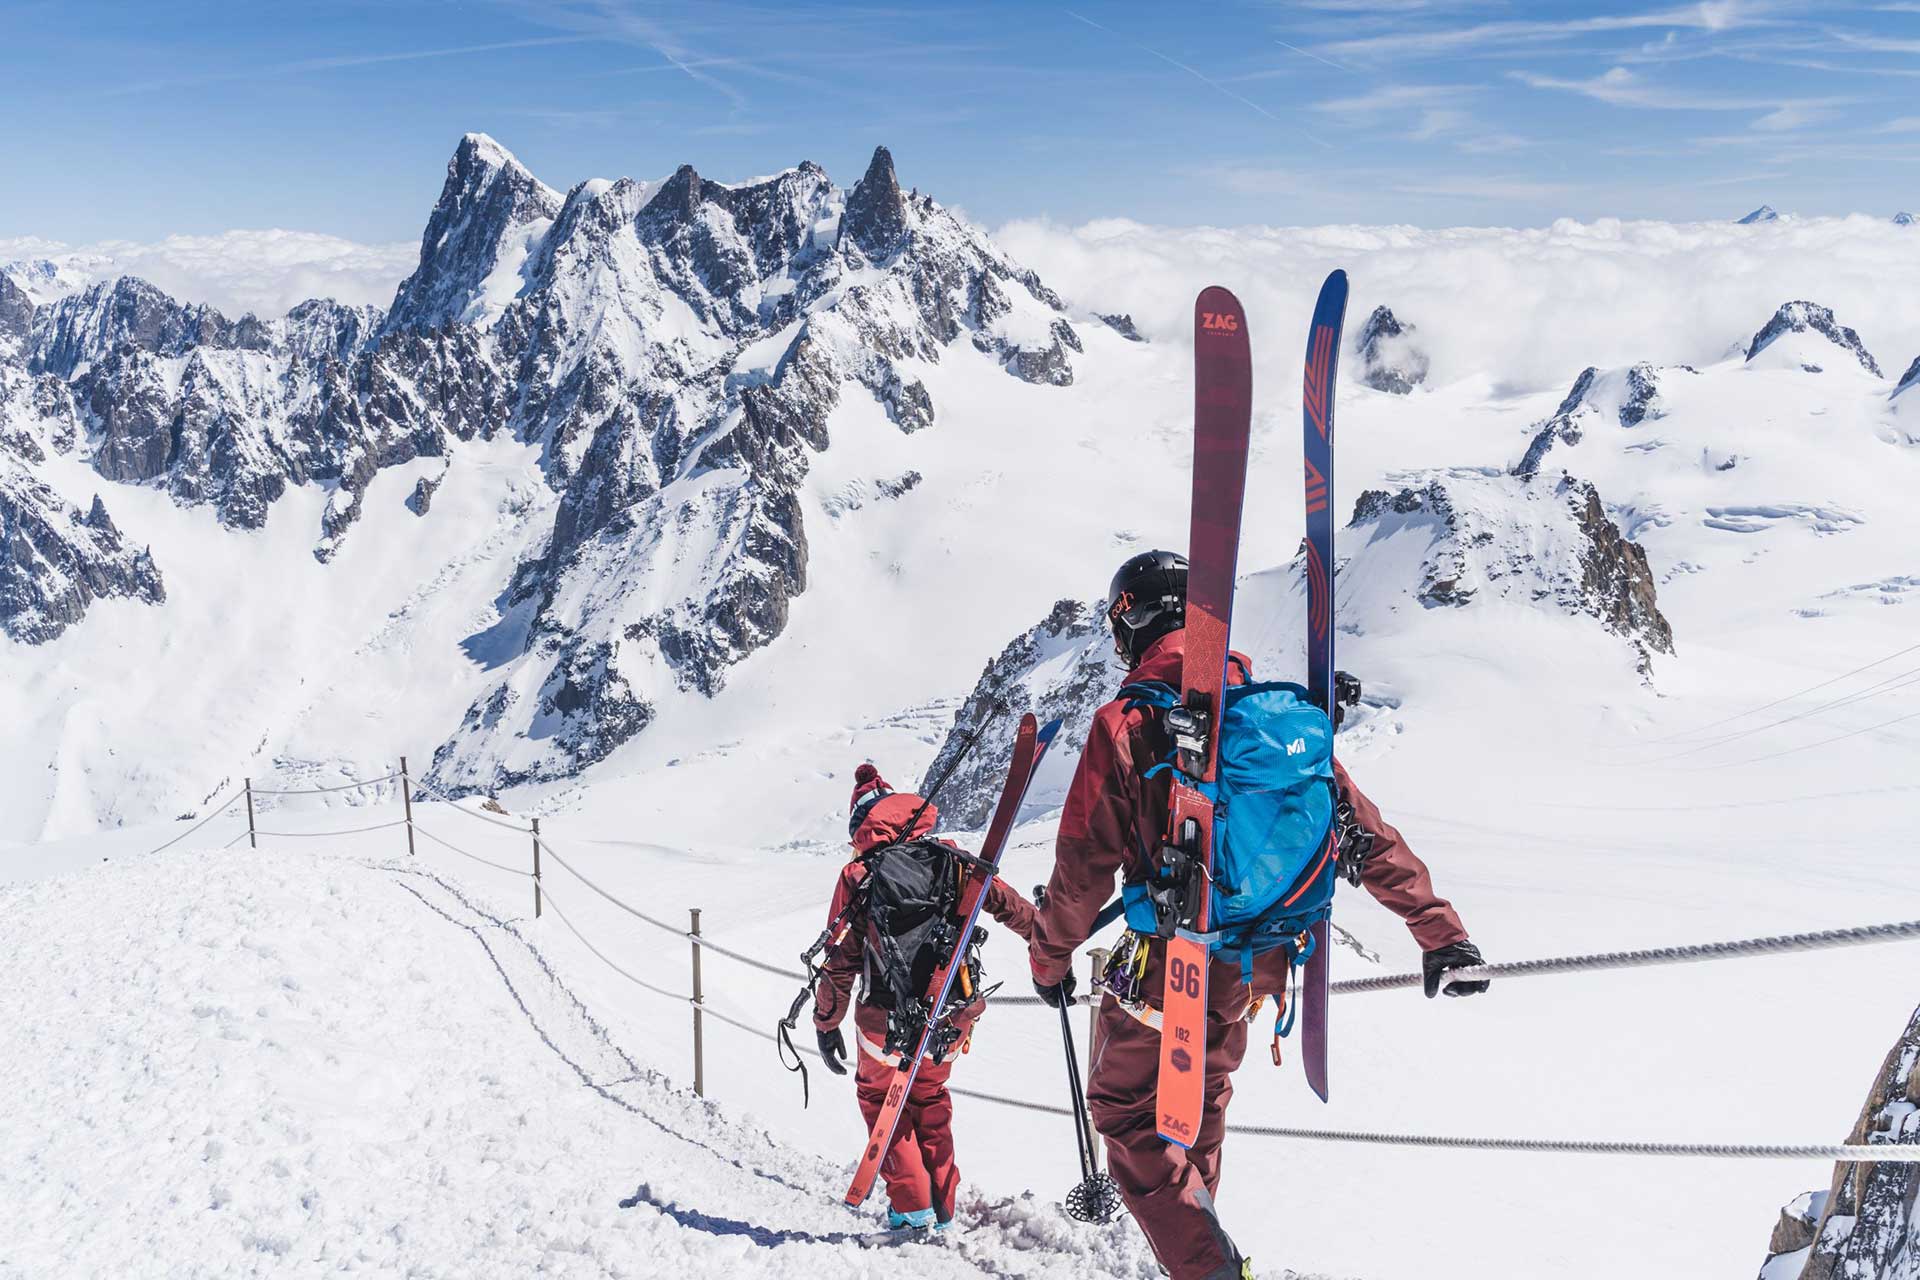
x=1389, y=359
x=1063, y=667
x=1764, y=213
x=1476, y=534
x=1627, y=396
x=1805, y=333
x=1866, y=1224
x=55, y=560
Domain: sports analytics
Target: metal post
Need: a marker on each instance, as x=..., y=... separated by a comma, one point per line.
x=406, y=798
x=699, y=1046
x=1099, y=958
x=536, y=868
x=252, y=843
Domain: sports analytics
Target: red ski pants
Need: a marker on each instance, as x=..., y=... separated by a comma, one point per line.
x=918, y=1168
x=1169, y=1191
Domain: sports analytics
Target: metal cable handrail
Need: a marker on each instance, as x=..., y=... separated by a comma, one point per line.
x=547, y=898
x=318, y=835
x=459, y=808
x=449, y=845
x=696, y=939
x=232, y=800
x=320, y=791
x=1780, y=944
x=1876, y=1153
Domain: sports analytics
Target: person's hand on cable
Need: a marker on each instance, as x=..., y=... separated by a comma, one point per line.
x=1458, y=955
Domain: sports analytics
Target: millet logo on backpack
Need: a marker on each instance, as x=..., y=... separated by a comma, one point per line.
x=1220, y=321
x=1298, y=747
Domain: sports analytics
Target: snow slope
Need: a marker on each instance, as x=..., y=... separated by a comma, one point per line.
x=294, y=1065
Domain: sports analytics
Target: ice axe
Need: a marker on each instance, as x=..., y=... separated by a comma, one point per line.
x=1096, y=1198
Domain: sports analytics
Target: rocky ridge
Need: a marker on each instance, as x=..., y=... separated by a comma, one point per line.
x=674, y=350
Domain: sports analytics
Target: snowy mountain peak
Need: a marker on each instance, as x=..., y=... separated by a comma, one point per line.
x=1389, y=359
x=1764, y=213
x=1809, y=318
x=1903, y=219
x=490, y=216
x=1630, y=396
x=876, y=209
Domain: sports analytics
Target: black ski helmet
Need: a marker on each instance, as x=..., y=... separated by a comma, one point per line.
x=1146, y=599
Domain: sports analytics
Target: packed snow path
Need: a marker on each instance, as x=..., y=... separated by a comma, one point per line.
x=224, y=1064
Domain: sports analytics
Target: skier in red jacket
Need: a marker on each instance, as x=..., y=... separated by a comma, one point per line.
x=919, y=1168
x=1114, y=817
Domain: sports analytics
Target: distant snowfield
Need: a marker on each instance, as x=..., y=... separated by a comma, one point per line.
x=1565, y=804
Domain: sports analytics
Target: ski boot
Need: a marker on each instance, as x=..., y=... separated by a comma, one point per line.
x=911, y=1220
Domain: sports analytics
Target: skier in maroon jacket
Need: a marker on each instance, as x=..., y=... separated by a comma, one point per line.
x=1114, y=818
x=919, y=1168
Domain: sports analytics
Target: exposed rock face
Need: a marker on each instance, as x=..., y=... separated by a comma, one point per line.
x=1910, y=377
x=1532, y=540
x=1764, y=213
x=1903, y=219
x=420, y=501
x=128, y=313
x=1864, y=1226
x=55, y=562
x=1808, y=317
x=1389, y=360
x=674, y=350
x=1123, y=325
x=490, y=213
x=1062, y=668
x=16, y=312
x=1630, y=397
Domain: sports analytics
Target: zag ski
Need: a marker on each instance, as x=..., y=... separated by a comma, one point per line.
x=1316, y=412
x=1029, y=748
x=1223, y=425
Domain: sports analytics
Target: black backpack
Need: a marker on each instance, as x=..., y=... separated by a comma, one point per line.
x=912, y=892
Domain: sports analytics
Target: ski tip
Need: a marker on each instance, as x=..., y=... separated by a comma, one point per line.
x=1048, y=731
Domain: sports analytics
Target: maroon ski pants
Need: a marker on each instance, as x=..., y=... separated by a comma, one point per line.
x=1169, y=1190
x=918, y=1168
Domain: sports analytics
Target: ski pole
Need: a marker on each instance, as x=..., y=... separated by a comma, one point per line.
x=1096, y=1198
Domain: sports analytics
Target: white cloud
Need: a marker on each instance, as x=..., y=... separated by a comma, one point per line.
x=1719, y=15
x=1621, y=87
x=1527, y=308
x=265, y=272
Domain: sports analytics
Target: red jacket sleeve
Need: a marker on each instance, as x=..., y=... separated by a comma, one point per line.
x=845, y=958
x=1397, y=878
x=1095, y=830
x=1005, y=904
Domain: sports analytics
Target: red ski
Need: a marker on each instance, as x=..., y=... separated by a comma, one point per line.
x=1222, y=430
x=1029, y=747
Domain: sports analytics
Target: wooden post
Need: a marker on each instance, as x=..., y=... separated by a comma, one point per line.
x=1099, y=958
x=699, y=1048
x=252, y=842
x=536, y=868
x=406, y=798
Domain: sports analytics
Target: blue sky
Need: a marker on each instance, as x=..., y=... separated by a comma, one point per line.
x=137, y=120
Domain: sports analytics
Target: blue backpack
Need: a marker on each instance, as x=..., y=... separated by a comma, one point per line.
x=1274, y=801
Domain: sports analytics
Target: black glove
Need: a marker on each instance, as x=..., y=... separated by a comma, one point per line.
x=1457, y=955
x=1058, y=994
x=833, y=1048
